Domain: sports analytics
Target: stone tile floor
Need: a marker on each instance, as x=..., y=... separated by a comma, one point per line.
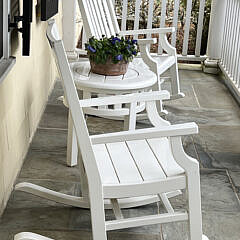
x=216, y=147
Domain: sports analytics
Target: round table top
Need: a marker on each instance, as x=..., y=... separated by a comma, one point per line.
x=138, y=76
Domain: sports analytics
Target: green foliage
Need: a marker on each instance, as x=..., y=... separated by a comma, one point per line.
x=114, y=48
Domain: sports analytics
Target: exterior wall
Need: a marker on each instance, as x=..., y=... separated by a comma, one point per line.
x=23, y=95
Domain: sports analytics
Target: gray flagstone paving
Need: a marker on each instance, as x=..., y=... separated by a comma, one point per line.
x=216, y=147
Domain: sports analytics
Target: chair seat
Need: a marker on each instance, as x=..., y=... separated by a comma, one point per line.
x=164, y=62
x=136, y=161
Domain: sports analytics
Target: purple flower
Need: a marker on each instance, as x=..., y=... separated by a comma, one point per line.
x=90, y=48
x=134, y=41
x=115, y=39
x=134, y=53
x=119, y=57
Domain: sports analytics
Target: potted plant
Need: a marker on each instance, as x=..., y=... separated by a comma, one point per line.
x=110, y=56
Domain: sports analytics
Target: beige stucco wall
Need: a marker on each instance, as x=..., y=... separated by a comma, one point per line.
x=23, y=95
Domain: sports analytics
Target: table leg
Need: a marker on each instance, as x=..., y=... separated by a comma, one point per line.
x=72, y=146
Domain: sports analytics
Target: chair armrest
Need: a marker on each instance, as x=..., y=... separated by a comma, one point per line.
x=149, y=60
x=156, y=132
x=128, y=98
x=148, y=31
x=147, y=41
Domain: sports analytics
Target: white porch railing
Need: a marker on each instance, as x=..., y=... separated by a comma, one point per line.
x=171, y=20
x=166, y=18
x=230, y=53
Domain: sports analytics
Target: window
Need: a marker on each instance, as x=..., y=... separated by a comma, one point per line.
x=6, y=62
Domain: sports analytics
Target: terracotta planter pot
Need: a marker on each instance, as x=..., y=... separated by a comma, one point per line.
x=109, y=68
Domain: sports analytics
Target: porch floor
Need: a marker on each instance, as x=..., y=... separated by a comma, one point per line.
x=216, y=147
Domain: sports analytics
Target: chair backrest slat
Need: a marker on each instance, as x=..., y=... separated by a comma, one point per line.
x=108, y=17
x=71, y=95
x=87, y=19
x=93, y=15
x=113, y=16
x=107, y=30
x=99, y=18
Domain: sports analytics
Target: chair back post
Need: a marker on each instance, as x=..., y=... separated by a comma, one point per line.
x=79, y=122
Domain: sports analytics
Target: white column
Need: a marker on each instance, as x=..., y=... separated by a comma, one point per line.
x=69, y=27
x=215, y=34
x=216, y=28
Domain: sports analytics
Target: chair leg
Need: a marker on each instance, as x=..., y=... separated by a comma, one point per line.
x=194, y=207
x=130, y=120
x=98, y=217
x=72, y=146
x=175, y=84
x=159, y=104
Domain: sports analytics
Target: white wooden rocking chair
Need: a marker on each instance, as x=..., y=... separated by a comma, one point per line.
x=99, y=19
x=126, y=164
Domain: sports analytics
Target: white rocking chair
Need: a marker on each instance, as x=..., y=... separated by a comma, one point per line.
x=99, y=19
x=126, y=164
